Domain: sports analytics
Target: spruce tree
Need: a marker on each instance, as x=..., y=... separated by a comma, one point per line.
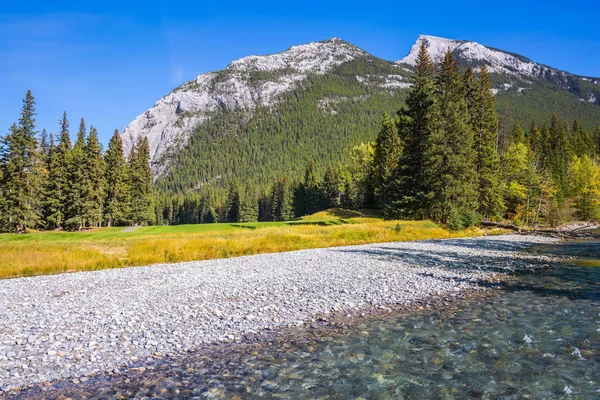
x=311, y=190
x=407, y=187
x=581, y=141
x=94, y=170
x=332, y=187
x=45, y=141
x=485, y=127
x=472, y=94
x=559, y=156
x=517, y=134
x=78, y=182
x=385, y=159
x=141, y=184
x=249, y=204
x=22, y=183
x=58, y=178
x=116, y=204
x=233, y=202
x=281, y=200
x=450, y=175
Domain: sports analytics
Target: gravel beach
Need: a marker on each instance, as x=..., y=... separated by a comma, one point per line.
x=74, y=325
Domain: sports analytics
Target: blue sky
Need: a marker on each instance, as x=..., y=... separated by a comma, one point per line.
x=109, y=62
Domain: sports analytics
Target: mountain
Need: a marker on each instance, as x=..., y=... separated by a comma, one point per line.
x=264, y=116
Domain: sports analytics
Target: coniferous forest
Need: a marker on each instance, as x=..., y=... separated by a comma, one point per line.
x=51, y=183
x=443, y=156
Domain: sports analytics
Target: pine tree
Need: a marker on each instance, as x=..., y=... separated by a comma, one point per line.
x=484, y=124
x=78, y=182
x=141, y=184
x=472, y=94
x=407, y=187
x=116, y=205
x=385, y=159
x=332, y=187
x=450, y=173
x=94, y=170
x=581, y=141
x=249, y=204
x=313, y=199
x=535, y=141
x=233, y=202
x=559, y=156
x=281, y=200
x=22, y=184
x=517, y=134
x=58, y=178
x=45, y=142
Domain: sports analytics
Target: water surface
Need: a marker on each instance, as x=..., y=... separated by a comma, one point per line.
x=536, y=337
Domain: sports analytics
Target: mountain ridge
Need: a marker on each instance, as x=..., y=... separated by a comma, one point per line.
x=336, y=74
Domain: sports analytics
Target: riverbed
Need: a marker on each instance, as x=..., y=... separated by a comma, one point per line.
x=534, y=334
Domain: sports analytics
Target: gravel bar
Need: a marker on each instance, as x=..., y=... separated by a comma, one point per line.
x=74, y=325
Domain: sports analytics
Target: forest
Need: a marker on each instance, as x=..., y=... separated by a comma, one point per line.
x=445, y=156
x=54, y=184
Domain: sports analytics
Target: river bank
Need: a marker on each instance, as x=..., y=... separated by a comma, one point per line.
x=70, y=327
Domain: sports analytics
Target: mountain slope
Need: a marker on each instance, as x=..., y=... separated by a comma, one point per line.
x=264, y=116
x=247, y=83
x=513, y=74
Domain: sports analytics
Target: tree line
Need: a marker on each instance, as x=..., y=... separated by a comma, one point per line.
x=54, y=184
x=442, y=157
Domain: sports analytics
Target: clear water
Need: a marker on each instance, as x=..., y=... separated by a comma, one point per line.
x=538, y=337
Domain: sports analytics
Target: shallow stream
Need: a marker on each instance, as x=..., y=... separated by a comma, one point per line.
x=536, y=337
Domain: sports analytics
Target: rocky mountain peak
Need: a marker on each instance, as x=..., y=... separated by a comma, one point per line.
x=314, y=57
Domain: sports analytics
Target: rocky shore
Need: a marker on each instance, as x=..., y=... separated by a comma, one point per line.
x=73, y=326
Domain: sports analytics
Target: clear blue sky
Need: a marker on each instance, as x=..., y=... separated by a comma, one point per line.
x=110, y=62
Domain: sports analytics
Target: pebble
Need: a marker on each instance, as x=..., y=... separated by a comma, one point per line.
x=113, y=320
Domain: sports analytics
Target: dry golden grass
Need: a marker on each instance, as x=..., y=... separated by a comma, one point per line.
x=113, y=249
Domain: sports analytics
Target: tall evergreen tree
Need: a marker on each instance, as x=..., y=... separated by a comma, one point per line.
x=581, y=141
x=45, y=142
x=484, y=124
x=312, y=189
x=407, y=189
x=559, y=156
x=233, y=202
x=332, y=187
x=281, y=200
x=385, y=159
x=141, y=184
x=94, y=170
x=249, y=204
x=450, y=173
x=58, y=178
x=116, y=204
x=517, y=134
x=78, y=182
x=22, y=183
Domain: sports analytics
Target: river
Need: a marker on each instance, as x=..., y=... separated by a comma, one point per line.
x=536, y=336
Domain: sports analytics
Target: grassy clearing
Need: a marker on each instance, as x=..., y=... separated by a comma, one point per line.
x=41, y=253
